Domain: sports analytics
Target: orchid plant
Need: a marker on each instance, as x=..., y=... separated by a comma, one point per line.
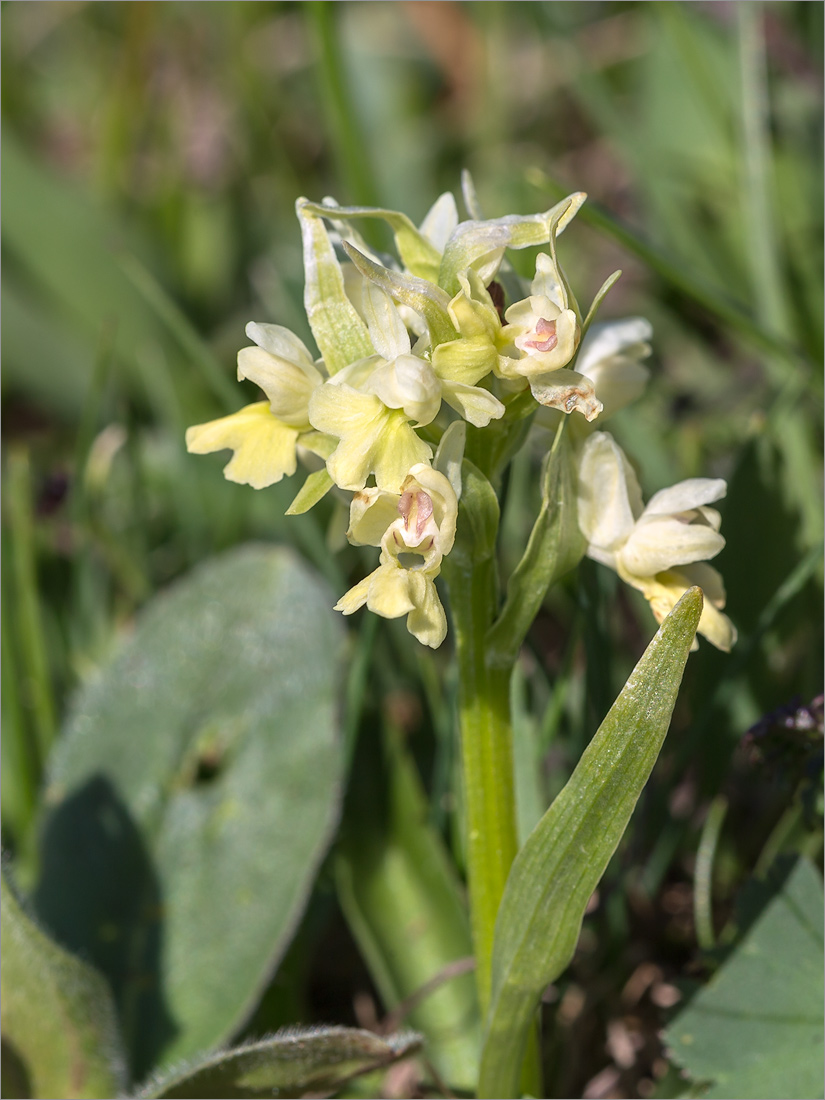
x=434, y=366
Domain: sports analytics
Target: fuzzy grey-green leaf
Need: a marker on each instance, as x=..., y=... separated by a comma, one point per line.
x=290, y=1063
x=192, y=795
x=755, y=1030
x=59, y=1022
x=565, y=856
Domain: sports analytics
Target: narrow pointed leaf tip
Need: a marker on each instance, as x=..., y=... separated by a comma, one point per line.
x=564, y=858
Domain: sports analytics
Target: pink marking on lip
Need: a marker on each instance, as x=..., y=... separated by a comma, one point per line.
x=543, y=328
x=418, y=507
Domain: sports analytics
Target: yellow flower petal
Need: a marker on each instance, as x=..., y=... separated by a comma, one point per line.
x=264, y=446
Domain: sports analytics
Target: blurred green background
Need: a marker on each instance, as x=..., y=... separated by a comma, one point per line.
x=152, y=155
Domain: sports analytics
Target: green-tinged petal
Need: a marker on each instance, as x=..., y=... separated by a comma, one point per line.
x=387, y=331
x=473, y=310
x=288, y=385
x=418, y=252
x=419, y=294
x=465, y=360
x=480, y=245
x=609, y=497
x=475, y=404
x=264, y=446
x=568, y=391
x=373, y=438
x=339, y=332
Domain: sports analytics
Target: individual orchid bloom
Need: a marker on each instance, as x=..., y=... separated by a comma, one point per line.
x=542, y=330
x=462, y=363
x=415, y=528
x=540, y=338
x=264, y=436
x=373, y=439
x=661, y=549
x=372, y=404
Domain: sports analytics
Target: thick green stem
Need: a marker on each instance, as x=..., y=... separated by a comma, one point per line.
x=487, y=759
x=489, y=778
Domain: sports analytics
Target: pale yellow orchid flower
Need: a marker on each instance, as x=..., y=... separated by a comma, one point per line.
x=661, y=549
x=415, y=529
x=371, y=404
x=264, y=436
x=462, y=363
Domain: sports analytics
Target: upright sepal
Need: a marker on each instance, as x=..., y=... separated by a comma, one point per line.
x=339, y=332
x=418, y=254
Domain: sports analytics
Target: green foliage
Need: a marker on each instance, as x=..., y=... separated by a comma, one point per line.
x=403, y=903
x=564, y=858
x=60, y=1033
x=203, y=764
x=152, y=156
x=300, y=1061
x=478, y=513
x=555, y=546
x=755, y=1030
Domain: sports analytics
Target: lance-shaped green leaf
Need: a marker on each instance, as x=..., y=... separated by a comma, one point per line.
x=290, y=1063
x=339, y=332
x=59, y=1023
x=316, y=486
x=402, y=900
x=481, y=245
x=425, y=298
x=418, y=254
x=555, y=545
x=192, y=795
x=565, y=856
